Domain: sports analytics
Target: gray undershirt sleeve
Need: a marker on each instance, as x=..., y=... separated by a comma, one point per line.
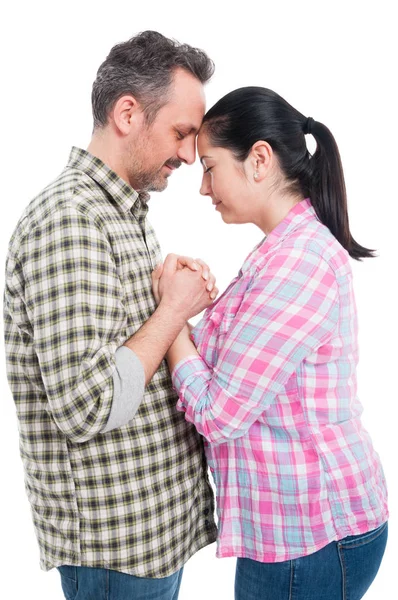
x=128, y=388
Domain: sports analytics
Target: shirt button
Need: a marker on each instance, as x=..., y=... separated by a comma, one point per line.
x=206, y=511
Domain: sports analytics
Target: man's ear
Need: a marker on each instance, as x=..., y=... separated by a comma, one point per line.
x=127, y=114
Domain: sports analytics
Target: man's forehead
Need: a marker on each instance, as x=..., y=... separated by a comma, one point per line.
x=187, y=102
x=188, y=113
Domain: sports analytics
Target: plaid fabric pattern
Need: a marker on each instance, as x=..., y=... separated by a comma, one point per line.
x=274, y=394
x=136, y=499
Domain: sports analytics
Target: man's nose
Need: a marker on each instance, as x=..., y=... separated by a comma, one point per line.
x=187, y=151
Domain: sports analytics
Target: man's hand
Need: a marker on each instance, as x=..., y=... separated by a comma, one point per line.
x=185, y=284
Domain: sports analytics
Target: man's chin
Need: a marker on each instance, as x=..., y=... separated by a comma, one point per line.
x=158, y=185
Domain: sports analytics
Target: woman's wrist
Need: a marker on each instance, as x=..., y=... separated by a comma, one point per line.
x=181, y=348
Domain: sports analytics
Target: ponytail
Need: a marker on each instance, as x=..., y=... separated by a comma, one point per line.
x=327, y=191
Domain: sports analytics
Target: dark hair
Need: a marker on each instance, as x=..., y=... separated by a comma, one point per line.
x=143, y=67
x=249, y=114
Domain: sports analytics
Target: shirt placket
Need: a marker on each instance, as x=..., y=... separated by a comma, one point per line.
x=139, y=213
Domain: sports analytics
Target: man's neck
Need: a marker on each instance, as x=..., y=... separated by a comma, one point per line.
x=106, y=150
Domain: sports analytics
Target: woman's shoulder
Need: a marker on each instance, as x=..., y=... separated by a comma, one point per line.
x=316, y=239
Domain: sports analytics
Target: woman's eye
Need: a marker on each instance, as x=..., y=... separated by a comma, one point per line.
x=208, y=170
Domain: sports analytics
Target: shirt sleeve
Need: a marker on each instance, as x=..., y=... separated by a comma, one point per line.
x=74, y=302
x=290, y=309
x=128, y=388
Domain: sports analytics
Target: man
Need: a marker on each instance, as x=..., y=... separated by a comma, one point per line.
x=119, y=503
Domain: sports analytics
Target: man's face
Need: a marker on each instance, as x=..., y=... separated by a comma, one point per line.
x=169, y=141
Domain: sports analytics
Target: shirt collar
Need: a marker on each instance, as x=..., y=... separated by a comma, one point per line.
x=300, y=214
x=125, y=196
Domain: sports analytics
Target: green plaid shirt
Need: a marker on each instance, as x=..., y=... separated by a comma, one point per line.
x=78, y=283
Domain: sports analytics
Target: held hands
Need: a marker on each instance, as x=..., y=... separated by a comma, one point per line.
x=185, y=284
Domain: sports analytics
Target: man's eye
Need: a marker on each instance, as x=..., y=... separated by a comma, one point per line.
x=180, y=136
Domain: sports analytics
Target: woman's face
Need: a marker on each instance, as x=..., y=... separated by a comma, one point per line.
x=226, y=181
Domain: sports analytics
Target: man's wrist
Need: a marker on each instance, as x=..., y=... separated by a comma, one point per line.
x=172, y=314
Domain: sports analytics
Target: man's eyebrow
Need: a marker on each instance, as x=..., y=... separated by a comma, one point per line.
x=189, y=128
x=203, y=157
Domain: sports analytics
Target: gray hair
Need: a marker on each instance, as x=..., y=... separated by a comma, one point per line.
x=143, y=67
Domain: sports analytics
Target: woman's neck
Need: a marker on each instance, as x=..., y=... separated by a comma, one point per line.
x=275, y=209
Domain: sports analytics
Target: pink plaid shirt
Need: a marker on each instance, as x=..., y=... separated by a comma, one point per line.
x=274, y=395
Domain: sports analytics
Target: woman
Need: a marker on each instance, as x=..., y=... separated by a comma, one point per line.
x=268, y=376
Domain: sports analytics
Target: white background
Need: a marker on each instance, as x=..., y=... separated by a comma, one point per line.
x=335, y=61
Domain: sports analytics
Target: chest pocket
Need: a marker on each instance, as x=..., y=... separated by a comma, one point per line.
x=228, y=319
x=223, y=314
x=222, y=320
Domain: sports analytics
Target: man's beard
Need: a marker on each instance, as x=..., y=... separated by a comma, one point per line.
x=147, y=180
x=154, y=180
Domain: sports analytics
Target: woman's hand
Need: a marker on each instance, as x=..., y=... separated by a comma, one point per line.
x=185, y=283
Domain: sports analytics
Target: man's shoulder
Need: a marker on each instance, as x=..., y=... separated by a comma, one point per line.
x=71, y=190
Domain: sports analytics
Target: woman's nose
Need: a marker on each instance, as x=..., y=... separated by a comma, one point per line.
x=205, y=187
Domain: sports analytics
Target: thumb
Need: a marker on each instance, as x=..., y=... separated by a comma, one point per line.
x=170, y=264
x=158, y=270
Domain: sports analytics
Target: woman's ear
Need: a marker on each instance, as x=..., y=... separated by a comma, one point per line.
x=260, y=160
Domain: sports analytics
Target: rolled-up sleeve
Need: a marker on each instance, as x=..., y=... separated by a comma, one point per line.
x=73, y=297
x=128, y=388
x=290, y=309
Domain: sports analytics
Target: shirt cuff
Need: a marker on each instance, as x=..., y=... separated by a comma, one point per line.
x=187, y=369
x=128, y=388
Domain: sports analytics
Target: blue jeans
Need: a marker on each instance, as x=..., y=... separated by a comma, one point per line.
x=341, y=570
x=86, y=583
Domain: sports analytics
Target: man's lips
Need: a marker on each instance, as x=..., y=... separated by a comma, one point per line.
x=172, y=166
